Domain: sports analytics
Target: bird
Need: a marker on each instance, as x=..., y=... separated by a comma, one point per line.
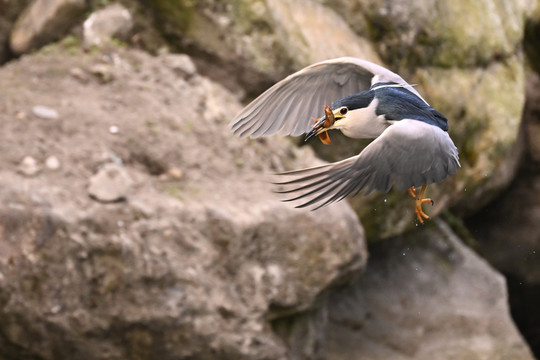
x=411, y=148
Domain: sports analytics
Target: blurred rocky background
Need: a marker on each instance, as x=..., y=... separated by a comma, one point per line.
x=133, y=225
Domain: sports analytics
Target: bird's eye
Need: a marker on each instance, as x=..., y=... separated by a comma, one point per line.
x=343, y=110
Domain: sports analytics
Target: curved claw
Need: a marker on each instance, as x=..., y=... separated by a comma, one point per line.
x=420, y=214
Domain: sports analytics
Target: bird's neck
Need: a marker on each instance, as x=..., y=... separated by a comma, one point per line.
x=364, y=123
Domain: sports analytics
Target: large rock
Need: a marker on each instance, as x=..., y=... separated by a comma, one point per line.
x=507, y=228
x=9, y=11
x=424, y=296
x=442, y=33
x=258, y=41
x=197, y=266
x=44, y=21
x=472, y=74
x=466, y=59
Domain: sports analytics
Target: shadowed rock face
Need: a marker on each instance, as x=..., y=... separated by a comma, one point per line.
x=398, y=309
x=508, y=229
x=44, y=21
x=9, y=10
x=192, y=263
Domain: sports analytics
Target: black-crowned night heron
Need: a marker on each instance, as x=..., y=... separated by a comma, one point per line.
x=411, y=148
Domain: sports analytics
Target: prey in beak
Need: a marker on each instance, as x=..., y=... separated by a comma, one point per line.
x=322, y=125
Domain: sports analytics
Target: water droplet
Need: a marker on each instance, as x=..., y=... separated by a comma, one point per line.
x=384, y=200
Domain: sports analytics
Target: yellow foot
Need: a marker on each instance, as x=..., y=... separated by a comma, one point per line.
x=420, y=214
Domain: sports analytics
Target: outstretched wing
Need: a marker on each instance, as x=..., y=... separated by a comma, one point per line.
x=408, y=153
x=288, y=106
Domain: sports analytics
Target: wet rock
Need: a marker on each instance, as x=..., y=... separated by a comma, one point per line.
x=423, y=296
x=44, y=21
x=112, y=22
x=111, y=183
x=45, y=112
x=29, y=166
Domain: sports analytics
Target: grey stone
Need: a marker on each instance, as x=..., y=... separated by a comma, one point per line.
x=424, y=296
x=112, y=22
x=44, y=21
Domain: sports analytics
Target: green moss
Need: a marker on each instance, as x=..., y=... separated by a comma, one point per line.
x=172, y=15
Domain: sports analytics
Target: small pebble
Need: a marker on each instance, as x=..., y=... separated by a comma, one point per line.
x=113, y=129
x=52, y=163
x=79, y=74
x=21, y=115
x=175, y=173
x=111, y=183
x=180, y=64
x=28, y=166
x=45, y=112
x=103, y=72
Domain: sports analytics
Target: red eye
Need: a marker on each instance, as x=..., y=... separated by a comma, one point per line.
x=343, y=110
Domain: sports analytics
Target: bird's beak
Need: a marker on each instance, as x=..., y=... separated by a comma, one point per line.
x=325, y=123
x=318, y=128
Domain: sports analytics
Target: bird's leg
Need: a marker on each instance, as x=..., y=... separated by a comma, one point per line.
x=412, y=191
x=420, y=214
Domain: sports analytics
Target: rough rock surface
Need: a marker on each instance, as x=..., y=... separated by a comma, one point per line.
x=508, y=231
x=424, y=296
x=44, y=21
x=473, y=74
x=258, y=41
x=9, y=11
x=466, y=59
x=200, y=266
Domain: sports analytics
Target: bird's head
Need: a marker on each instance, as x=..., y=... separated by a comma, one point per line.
x=345, y=114
x=331, y=120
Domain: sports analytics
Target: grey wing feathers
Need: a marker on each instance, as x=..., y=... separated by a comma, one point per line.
x=288, y=106
x=408, y=153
